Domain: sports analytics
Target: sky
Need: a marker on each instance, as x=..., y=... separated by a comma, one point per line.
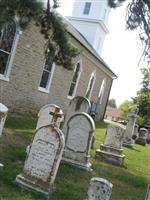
x=121, y=51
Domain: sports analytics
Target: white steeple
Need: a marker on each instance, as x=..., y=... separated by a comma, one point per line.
x=90, y=18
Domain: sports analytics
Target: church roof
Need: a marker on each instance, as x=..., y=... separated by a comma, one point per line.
x=83, y=41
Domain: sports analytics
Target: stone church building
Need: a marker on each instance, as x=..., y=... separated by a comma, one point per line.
x=27, y=82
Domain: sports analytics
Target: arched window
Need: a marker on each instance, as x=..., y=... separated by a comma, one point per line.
x=75, y=80
x=7, y=37
x=101, y=90
x=90, y=85
x=47, y=74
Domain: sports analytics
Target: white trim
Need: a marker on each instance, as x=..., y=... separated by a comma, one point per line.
x=6, y=75
x=47, y=89
x=93, y=74
x=78, y=78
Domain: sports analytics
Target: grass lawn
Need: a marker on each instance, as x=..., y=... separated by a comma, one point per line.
x=129, y=182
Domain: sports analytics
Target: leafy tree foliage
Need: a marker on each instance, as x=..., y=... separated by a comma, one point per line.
x=124, y=107
x=138, y=16
x=143, y=97
x=112, y=103
x=51, y=25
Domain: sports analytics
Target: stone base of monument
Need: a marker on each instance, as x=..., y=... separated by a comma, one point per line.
x=110, y=155
x=1, y=166
x=86, y=166
x=129, y=145
x=141, y=141
x=33, y=185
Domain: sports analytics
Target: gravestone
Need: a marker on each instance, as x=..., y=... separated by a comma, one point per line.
x=3, y=115
x=100, y=189
x=111, y=151
x=78, y=140
x=135, y=132
x=148, y=193
x=43, y=158
x=132, y=114
x=76, y=105
x=142, y=137
x=45, y=118
x=148, y=137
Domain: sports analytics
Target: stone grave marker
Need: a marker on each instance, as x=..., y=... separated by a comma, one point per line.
x=111, y=151
x=3, y=115
x=100, y=189
x=78, y=140
x=76, y=105
x=148, y=193
x=143, y=132
x=148, y=136
x=43, y=158
x=45, y=118
x=133, y=111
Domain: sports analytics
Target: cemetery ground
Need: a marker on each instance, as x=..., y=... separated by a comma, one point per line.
x=129, y=181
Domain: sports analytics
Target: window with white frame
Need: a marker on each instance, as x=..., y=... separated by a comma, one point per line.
x=87, y=8
x=90, y=85
x=101, y=90
x=75, y=80
x=47, y=74
x=7, y=38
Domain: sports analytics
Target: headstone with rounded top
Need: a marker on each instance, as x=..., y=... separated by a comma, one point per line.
x=76, y=105
x=45, y=118
x=143, y=132
x=43, y=158
x=78, y=140
x=100, y=189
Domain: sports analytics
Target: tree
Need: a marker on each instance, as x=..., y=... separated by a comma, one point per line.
x=51, y=26
x=112, y=103
x=124, y=107
x=143, y=97
x=138, y=16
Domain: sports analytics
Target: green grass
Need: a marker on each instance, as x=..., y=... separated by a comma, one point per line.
x=129, y=182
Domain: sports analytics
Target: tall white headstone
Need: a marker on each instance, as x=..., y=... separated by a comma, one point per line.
x=3, y=115
x=45, y=118
x=78, y=140
x=43, y=158
x=133, y=111
x=100, y=189
x=76, y=105
x=111, y=151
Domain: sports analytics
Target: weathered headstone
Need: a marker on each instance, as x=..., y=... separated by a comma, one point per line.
x=133, y=111
x=76, y=105
x=143, y=132
x=43, y=159
x=78, y=140
x=135, y=132
x=148, y=137
x=3, y=115
x=100, y=189
x=148, y=193
x=45, y=118
x=111, y=151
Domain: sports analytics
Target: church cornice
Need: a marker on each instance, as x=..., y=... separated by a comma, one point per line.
x=96, y=21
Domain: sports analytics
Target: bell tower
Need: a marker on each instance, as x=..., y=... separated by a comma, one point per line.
x=90, y=18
